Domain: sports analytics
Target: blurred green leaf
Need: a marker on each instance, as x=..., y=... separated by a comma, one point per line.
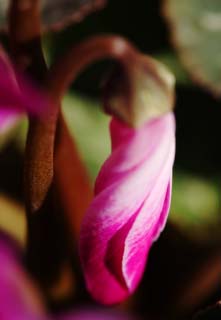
x=12, y=219
x=89, y=126
x=195, y=207
x=171, y=61
x=3, y=10
x=195, y=26
x=16, y=132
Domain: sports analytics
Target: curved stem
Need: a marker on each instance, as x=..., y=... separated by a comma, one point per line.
x=60, y=76
x=64, y=72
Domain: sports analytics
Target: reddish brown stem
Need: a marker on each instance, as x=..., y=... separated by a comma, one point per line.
x=47, y=244
x=71, y=178
x=76, y=59
x=24, y=32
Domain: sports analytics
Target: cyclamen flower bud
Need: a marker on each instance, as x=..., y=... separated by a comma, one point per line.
x=17, y=94
x=130, y=208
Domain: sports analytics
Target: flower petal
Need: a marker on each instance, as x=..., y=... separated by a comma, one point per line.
x=19, y=298
x=132, y=198
x=17, y=94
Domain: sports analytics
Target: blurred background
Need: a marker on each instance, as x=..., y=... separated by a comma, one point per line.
x=183, y=274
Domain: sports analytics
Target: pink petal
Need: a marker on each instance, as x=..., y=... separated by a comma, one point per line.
x=19, y=298
x=130, y=208
x=17, y=94
x=7, y=120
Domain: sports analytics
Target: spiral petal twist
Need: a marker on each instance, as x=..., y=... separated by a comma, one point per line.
x=130, y=207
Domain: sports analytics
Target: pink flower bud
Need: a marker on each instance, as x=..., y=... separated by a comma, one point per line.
x=130, y=208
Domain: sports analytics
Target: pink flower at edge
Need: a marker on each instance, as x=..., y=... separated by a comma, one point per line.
x=18, y=94
x=130, y=208
x=19, y=298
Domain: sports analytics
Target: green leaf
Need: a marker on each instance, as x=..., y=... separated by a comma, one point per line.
x=172, y=62
x=3, y=10
x=16, y=132
x=195, y=207
x=195, y=26
x=89, y=127
x=12, y=219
